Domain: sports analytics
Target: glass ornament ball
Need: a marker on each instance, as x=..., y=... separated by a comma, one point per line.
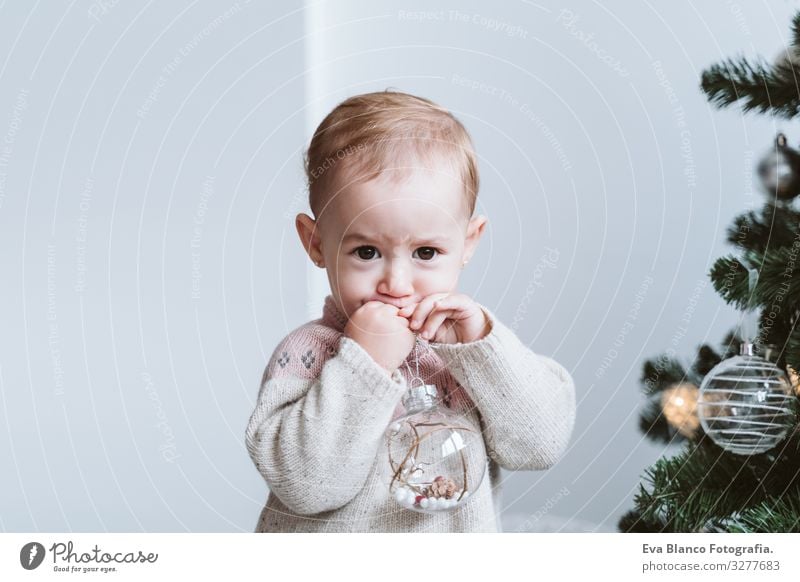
x=436, y=458
x=780, y=170
x=745, y=404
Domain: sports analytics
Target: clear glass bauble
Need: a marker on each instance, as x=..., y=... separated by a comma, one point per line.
x=436, y=458
x=745, y=404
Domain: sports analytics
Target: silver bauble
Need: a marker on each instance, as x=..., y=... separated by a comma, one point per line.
x=745, y=404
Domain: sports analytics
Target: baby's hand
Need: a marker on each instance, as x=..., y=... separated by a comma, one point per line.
x=448, y=318
x=383, y=334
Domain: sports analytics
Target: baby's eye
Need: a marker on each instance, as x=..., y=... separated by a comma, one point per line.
x=427, y=253
x=366, y=253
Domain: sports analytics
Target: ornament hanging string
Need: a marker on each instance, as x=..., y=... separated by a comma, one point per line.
x=749, y=324
x=415, y=353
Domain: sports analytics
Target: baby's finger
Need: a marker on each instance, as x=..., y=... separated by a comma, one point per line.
x=433, y=323
x=407, y=310
x=423, y=310
x=459, y=306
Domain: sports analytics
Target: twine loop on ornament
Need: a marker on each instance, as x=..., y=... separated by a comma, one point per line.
x=415, y=353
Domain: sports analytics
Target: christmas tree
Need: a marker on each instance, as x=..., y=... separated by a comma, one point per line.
x=736, y=408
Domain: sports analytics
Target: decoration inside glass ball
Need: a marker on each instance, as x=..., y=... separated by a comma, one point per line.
x=442, y=493
x=745, y=405
x=779, y=170
x=679, y=404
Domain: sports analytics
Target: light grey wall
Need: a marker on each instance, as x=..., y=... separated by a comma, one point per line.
x=150, y=170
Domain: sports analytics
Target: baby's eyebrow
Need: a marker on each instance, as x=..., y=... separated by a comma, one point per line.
x=355, y=236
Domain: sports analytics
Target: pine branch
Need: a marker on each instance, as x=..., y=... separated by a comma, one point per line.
x=791, y=355
x=634, y=522
x=706, y=359
x=777, y=515
x=779, y=333
x=774, y=227
x=758, y=86
x=796, y=30
x=775, y=279
x=660, y=373
x=703, y=486
x=730, y=345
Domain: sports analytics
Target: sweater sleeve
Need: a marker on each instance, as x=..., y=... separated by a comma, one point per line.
x=526, y=400
x=315, y=439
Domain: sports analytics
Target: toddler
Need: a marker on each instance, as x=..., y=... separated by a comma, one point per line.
x=393, y=180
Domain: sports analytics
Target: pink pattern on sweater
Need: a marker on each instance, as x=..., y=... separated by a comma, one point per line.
x=303, y=353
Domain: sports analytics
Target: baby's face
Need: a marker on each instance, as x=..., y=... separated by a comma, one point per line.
x=396, y=241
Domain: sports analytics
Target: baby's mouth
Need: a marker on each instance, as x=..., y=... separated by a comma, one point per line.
x=398, y=304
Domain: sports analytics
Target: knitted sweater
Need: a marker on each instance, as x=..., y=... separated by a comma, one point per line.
x=317, y=432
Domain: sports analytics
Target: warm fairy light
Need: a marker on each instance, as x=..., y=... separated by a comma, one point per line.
x=679, y=403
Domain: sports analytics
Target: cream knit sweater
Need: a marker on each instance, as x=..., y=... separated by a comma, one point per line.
x=316, y=434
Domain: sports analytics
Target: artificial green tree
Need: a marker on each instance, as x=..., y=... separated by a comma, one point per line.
x=705, y=487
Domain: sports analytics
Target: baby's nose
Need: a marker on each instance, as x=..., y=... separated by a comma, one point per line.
x=396, y=281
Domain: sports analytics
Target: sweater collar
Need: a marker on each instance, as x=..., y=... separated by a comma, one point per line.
x=332, y=316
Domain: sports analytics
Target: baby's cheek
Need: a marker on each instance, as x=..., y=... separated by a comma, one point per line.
x=351, y=287
x=447, y=273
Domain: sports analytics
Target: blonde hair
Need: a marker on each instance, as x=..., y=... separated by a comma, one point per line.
x=370, y=133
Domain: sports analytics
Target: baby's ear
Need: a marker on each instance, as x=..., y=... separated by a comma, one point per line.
x=309, y=236
x=475, y=230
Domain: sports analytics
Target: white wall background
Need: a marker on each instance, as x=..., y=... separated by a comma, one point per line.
x=150, y=170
